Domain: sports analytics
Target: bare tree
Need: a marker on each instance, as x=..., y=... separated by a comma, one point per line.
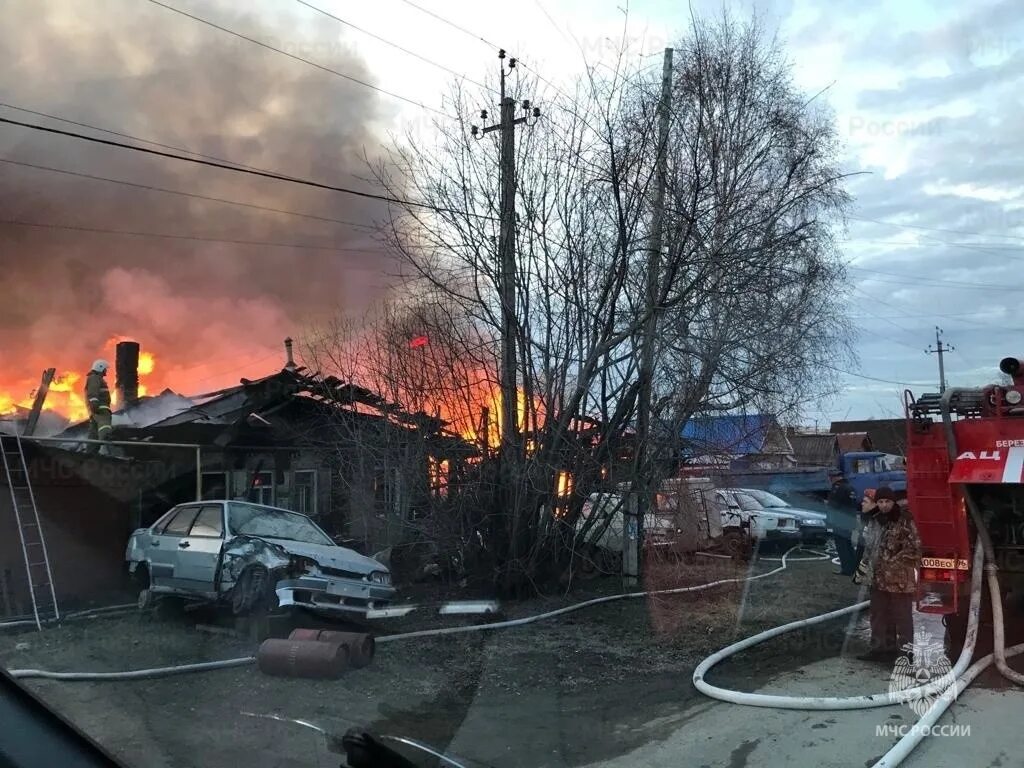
x=745, y=296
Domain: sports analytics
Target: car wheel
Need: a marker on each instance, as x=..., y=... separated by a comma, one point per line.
x=142, y=581
x=736, y=545
x=249, y=592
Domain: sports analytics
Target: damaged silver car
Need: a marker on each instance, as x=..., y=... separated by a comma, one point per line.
x=253, y=557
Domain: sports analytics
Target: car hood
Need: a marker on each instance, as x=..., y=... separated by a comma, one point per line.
x=331, y=556
x=798, y=512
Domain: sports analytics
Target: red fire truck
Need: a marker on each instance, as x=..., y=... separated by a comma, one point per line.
x=964, y=447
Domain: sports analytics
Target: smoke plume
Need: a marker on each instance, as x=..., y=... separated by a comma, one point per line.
x=209, y=311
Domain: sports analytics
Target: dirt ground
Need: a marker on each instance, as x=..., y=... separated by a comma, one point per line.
x=581, y=688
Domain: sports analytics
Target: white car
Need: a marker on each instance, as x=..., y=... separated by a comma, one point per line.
x=813, y=527
x=252, y=556
x=741, y=511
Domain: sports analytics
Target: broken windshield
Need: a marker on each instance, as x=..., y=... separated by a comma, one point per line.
x=266, y=522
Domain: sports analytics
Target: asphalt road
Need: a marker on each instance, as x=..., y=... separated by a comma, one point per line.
x=690, y=729
x=734, y=736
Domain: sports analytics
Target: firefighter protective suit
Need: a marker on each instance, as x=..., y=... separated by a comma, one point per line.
x=97, y=396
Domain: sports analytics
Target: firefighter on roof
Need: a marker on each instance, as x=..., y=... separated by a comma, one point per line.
x=97, y=395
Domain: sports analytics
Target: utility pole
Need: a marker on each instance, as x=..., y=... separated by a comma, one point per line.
x=507, y=252
x=510, y=449
x=632, y=564
x=939, y=349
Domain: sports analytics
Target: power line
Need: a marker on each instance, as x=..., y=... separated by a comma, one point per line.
x=933, y=229
x=236, y=169
x=869, y=378
x=910, y=317
x=556, y=27
x=152, y=188
x=396, y=46
x=997, y=249
x=196, y=238
x=961, y=317
x=452, y=24
x=935, y=281
x=321, y=67
x=890, y=322
x=186, y=150
x=992, y=247
x=494, y=46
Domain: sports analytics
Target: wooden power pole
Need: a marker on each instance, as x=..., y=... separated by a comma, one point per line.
x=632, y=560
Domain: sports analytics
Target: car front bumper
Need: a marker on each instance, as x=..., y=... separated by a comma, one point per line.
x=813, y=534
x=330, y=594
x=781, y=535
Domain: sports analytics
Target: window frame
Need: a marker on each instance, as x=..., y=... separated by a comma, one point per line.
x=181, y=509
x=259, y=489
x=314, y=489
x=223, y=522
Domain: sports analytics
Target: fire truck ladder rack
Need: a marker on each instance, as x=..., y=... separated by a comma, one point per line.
x=963, y=403
x=33, y=545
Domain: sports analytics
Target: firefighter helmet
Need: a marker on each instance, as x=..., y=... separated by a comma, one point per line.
x=100, y=366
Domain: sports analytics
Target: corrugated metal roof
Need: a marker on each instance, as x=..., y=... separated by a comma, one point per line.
x=817, y=450
x=734, y=434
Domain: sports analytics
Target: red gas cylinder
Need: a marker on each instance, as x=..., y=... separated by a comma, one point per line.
x=361, y=647
x=303, y=658
x=304, y=634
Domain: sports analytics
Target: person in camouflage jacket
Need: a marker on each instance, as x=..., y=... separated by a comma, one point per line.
x=894, y=558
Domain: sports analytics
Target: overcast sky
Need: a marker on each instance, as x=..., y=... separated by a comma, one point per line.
x=927, y=97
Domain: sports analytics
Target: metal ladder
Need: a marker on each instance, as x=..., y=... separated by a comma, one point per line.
x=33, y=546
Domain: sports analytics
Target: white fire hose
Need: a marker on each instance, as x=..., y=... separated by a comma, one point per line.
x=960, y=676
x=140, y=674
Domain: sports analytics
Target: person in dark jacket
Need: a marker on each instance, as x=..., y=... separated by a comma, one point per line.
x=842, y=519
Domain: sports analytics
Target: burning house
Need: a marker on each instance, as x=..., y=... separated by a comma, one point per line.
x=361, y=466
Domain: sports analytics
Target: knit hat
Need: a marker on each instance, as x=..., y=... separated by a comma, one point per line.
x=885, y=492
x=870, y=493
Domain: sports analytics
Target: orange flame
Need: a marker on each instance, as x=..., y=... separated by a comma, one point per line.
x=66, y=394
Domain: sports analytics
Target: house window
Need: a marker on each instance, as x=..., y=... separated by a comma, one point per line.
x=304, y=492
x=438, y=472
x=262, y=490
x=216, y=485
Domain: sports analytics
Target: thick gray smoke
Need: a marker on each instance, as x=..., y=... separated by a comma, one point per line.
x=205, y=309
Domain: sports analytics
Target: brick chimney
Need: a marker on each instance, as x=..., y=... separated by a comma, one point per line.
x=290, y=364
x=126, y=366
